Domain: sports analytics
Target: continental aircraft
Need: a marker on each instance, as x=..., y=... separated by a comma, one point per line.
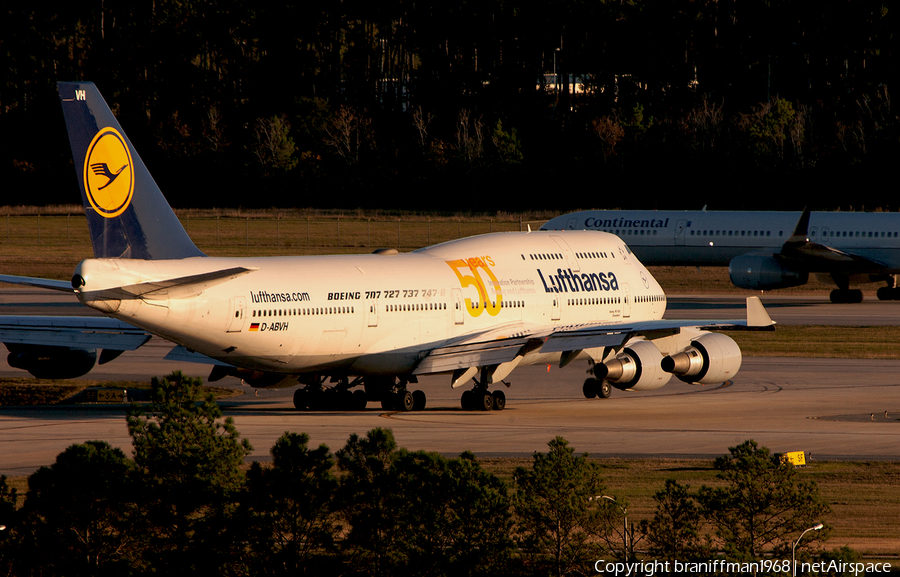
x=473, y=309
x=763, y=250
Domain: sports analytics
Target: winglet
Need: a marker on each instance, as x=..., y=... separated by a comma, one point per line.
x=756, y=314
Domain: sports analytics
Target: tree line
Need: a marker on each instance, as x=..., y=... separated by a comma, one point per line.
x=185, y=505
x=469, y=105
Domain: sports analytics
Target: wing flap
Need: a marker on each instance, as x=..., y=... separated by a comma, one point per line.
x=574, y=340
x=466, y=355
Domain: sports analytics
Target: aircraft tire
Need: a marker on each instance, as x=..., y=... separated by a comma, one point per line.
x=389, y=401
x=886, y=293
x=359, y=400
x=405, y=401
x=485, y=401
x=499, y=401
x=301, y=400
x=344, y=400
x=419, y=400
x=589, y=388
x=848, y=296
x=604, y=389
x=467, y=401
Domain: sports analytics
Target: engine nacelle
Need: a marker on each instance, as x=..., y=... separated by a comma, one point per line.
x=636, y=368
x=763, y=272
x=712, y=358
x=49, y=362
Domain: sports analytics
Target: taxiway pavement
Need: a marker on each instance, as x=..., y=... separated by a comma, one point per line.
x=830, y=408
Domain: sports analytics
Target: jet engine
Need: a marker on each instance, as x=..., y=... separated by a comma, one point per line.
x=636, y=368
x=50, y=362
x=712, y=358
x=763, y=272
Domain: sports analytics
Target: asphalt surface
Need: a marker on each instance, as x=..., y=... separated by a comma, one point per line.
x=830, y=408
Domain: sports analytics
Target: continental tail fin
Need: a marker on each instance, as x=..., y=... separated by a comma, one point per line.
x=127, y=215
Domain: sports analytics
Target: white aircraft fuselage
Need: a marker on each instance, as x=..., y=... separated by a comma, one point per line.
x=375, y=314
x=763, y=250
x=714, y=238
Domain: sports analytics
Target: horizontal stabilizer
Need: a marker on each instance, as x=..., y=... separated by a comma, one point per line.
x=57, y=285
x=80, y=332
x=174, y=288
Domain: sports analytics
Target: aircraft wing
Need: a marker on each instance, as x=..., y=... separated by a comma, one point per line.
x=813, y=255
x=509, y=343
x=77, y=332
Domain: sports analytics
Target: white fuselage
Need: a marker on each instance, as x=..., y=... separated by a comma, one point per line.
x=713, y=238
x=378, y=313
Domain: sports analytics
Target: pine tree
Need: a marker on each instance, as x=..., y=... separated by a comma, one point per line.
x=189, y=473
x=557, y=508
x=763, y=504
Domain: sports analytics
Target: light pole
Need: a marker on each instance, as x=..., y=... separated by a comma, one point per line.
x=815, y=527
x=624, y=523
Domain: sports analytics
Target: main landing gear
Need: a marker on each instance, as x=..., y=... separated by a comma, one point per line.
x=481, y=399
x=849, y=296
x=596, y=388
x=891, y=292
x=391, y=391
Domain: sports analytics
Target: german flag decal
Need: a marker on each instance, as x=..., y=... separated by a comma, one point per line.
x=254, y=327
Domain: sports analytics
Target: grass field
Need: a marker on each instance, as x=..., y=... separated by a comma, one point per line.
x=865, y=505
x=50, y=245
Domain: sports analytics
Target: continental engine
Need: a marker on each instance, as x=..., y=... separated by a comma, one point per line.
x=763, y=272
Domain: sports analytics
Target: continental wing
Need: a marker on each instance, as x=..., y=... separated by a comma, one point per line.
x=816, y=256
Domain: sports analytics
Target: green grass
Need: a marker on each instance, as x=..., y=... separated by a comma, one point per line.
x=50, y=246
x=22, y=392
x=865, y=505
x=882, y=342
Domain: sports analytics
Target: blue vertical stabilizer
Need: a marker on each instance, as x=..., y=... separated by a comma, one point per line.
x=127, y=214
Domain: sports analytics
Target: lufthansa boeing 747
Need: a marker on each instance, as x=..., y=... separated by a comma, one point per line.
x=473, y=309
x=763, y=250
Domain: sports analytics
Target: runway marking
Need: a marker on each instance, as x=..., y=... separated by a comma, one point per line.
x=45, y=425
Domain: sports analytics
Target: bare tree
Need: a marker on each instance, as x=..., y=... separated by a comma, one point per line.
x=469, y=137
x=347, y=133
x=422, y=120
